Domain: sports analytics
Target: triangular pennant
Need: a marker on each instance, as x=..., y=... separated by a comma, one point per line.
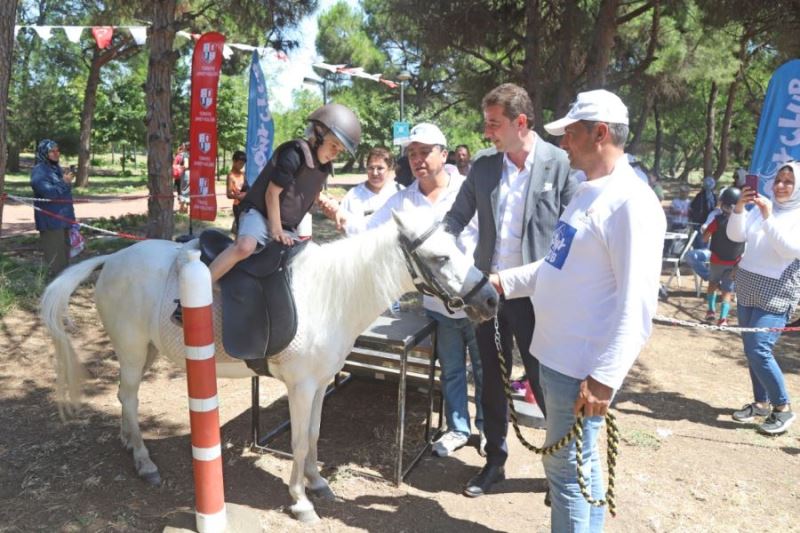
x=226, y=51
x=44, y=32
x=139, y=34
x=73, y=33
x=103, y=35
x=16, y=31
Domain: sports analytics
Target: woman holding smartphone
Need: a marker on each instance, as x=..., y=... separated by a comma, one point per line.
x=56, y=213
x=767, y=290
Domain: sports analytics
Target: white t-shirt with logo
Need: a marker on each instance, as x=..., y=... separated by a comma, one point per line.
x=362, y=202
x=595, y=292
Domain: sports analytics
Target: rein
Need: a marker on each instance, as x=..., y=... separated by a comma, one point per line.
x=423, y=278
x=575, y=433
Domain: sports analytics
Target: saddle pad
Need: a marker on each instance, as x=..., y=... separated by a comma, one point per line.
x=260, y=318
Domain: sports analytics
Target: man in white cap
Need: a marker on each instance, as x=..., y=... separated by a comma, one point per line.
x=595, y=294
x=435, y=189
x=518, y=192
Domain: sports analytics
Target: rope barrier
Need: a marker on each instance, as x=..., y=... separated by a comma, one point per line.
x=121, y=234
x=575, y=432
x=732, y=329
x=101, y=199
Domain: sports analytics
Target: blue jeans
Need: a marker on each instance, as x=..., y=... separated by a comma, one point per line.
x=697, y=259
x=569, y=511
x=765, y=374
x=453, y=337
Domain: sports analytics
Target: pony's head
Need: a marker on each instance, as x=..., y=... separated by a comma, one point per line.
x=439, y=268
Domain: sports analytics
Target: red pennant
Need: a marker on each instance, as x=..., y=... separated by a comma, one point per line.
x=103, y=35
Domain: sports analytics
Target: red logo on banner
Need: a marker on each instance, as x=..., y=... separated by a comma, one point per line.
x=206, y=64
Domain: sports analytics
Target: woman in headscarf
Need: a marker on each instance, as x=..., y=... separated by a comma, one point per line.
x=767, y=289
x=54, y=218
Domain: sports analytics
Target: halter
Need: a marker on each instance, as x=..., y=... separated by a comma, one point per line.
x=423, y=277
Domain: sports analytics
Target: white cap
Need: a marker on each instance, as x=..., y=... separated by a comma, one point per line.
x=595, y=106
x=425, y=133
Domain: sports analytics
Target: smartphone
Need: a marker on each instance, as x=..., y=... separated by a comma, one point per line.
x=73, y=168
x=751, y=180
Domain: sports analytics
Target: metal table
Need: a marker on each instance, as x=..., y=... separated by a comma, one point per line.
x=384, y=352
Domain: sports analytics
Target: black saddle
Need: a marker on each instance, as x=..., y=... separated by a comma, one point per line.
x=259, y=317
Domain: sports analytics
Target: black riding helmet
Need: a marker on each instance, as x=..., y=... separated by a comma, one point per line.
x=340, y=121
x=730, y=196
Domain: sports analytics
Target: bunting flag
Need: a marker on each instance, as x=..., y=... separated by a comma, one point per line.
x=139, y=34
x=103, y=35
x=260, y=127
x=44, y=32
x=778, y=137
x=73, y=33
x=206, y=66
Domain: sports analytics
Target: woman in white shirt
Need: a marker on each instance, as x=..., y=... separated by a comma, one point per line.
x=369, y=196
x=767, y=290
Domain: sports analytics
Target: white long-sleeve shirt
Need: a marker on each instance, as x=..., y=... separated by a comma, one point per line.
x=772, y=244
x=595, y=293
x=361, y=201
x=412, y=198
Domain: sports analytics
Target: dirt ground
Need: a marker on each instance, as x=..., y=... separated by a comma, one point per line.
x=684, y=464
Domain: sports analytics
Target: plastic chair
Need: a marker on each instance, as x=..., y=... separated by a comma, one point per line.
x=674, y=258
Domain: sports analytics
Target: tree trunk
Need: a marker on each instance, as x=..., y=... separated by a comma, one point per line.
x=158, y=89
x=638, y=125
x=659, y=140
x=708, y=150
x=602, y=43
x=8, y=14
x=725, y=127
x=87, y=114
x=532, y=63
x=121, y=50
x=566, y=90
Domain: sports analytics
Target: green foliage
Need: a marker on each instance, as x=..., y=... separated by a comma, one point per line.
x=343, y=39
x=118, y=117
x=232, y=113
x=291, y=124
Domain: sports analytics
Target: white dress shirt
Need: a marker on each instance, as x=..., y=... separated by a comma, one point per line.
x=511, y=211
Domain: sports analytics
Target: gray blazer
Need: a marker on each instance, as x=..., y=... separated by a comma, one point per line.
x=549, y=191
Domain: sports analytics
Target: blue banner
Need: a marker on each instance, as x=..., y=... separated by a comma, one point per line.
x=778, y=138
x=260, y=127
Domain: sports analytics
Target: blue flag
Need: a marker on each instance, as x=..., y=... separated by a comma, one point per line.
x=778, y=138
x=260, y=127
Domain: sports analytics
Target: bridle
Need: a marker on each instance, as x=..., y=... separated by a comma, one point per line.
x=423, y=277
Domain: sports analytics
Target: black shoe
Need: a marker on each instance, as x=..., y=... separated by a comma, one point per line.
x=547, y=501
x=177, y=315
x=480, y=484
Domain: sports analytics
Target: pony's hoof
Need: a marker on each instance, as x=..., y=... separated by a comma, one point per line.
x=308, y=516
x=152, y=478
x=324, y=493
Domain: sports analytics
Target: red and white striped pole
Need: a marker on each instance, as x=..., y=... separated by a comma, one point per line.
x=201, y=377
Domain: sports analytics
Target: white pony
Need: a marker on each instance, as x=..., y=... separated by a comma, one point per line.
x=339, y=289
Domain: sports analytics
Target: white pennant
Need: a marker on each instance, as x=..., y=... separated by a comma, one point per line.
x=226, y=51
x=16, y=31
x=73, y=33
x=44, y=32
x=139, y=34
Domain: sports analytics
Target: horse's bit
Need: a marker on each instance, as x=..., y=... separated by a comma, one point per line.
x=423, y=277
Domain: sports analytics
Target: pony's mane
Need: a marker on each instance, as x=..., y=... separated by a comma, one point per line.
x=351, y=281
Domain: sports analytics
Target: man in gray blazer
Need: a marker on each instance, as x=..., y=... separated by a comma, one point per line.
x=519, y=193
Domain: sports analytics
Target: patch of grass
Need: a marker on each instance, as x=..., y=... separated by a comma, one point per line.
x=641, y=439
x=21, y=283
x=19, y=184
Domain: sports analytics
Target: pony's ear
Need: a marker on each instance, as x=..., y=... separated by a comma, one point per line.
x=398, y=219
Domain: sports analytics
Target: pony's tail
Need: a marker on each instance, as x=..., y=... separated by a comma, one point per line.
x=54, y=313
